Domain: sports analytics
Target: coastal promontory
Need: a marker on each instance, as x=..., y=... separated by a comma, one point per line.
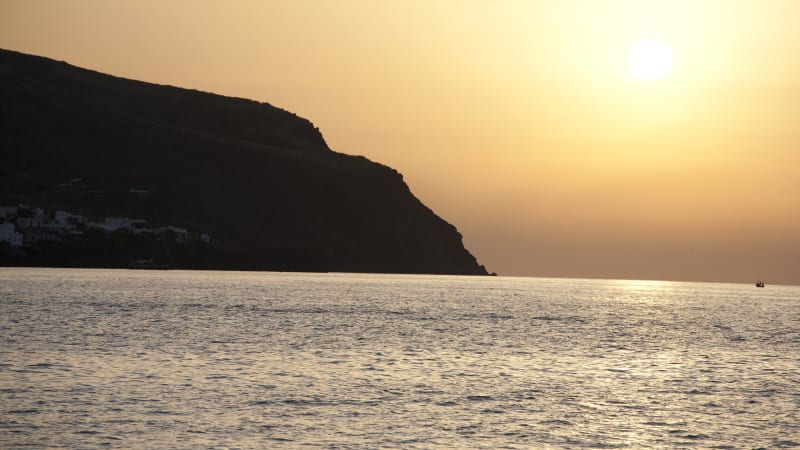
x=236, y=183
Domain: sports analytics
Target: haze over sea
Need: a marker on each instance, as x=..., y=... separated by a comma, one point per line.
x=181, y=359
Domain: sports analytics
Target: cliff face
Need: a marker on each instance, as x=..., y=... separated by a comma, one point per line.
x=259, y=179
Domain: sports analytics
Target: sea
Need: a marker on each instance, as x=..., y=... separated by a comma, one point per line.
x=250, y=360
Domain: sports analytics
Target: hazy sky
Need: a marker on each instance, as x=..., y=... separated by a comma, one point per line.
x=517, y=121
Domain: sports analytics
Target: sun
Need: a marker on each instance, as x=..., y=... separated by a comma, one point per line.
x=650, y=59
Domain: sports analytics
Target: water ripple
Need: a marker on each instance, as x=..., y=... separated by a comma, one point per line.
x=139, y=359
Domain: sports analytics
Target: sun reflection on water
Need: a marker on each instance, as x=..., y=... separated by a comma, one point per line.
x=327, y=360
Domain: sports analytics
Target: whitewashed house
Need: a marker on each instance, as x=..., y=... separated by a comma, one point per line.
x=30, y=222
x=67, y=219
x=111, y=224
x=9, y=234
x=181, y=234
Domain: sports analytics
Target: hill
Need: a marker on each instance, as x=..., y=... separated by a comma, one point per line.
x=260, y=180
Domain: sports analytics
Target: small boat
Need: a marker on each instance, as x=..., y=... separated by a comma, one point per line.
x=759, y=283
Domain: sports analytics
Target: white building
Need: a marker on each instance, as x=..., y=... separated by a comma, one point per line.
x=65, y=218
x=119, y=223
x=9, y=234
x=30, y=222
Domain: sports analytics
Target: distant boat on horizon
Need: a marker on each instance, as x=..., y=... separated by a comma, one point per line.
x=759, y=283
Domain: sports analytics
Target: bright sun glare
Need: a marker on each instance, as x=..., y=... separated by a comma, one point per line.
x=650, y=59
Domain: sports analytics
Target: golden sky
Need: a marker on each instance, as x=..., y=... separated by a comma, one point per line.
x=517, y=121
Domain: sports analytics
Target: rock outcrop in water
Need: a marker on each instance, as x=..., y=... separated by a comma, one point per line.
x=260, y=180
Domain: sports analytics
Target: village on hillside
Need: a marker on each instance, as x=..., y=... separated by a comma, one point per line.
x=22, y=226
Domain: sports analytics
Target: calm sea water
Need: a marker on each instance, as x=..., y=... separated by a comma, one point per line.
x=179, y=359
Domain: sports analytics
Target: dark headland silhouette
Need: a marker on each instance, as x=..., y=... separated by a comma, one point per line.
x=258, y=182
